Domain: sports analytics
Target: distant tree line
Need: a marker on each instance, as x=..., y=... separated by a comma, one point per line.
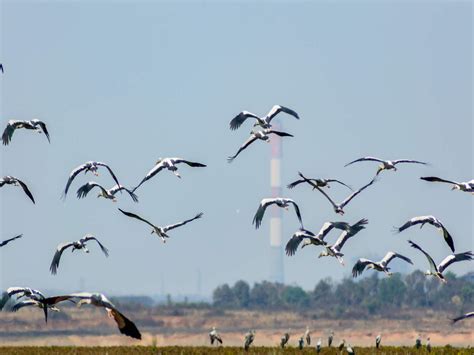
x=349, y=298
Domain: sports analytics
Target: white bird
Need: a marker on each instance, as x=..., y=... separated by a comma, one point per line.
x=381, y=265
x=77, y=245
x=12, y=125
x=342, y=344
x=318, y=346
x=422, y=220
x=170, y=164
x=249, y=338
x=378, y=340
x=264, y=122
x=280, y=202
x=161, y=231
x=214, y=336
x=464, y=316
x=386, y=164
x=5, y=242
x=318, y=182
x=461, y=186
x=418, y=342
x=262, y=135
x=11, y=180
x=307, y=336
x=335, y=250
x=90, y=166
x=349, y=350
x=437, y=271
x=105, y=193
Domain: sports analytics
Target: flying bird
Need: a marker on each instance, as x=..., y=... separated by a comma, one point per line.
x=386, y=164
x=381, y=265
x=214, y=336
x=24, y=292
x=12, y=125
x=461, y=186
x=249, y=338
x=262, y=135
x=422, y=220
x=318, y=182
x=77, y=245
x=305, y=236
x=161, y=231
x=280, y=202
x=264, y=122
x=5, y=242
x=11, y=180
x=90, y=166
x=34, y=303
x=170, y=164
x=437, y=271
x=105, y=193
x=1, y=68
x=464, y=316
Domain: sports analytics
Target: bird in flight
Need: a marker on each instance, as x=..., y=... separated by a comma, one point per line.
x=264, y=122
x=318, y=182
x=464, y=316
x=105, y=193
x=5, y=242
x=280, y=202
x=461, y=186
x=11, y=180
x=12, y=125
x=386, y=164
x=381, y=266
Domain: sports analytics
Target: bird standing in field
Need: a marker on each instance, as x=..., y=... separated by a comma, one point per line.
x=330, y=339
x=284, y=339
x=214, y=336
x=11, y=180
x=428, y=344
x=437, y=271
x=461, y=186
x=5, y=242
x=301, y=343
x=161, y=231
x=381, y=266
x=350, y=350
x=280, y=202
x=77, y=245
x=12, y=125
x=418, y=342
x=316, y=182
x=386, y=164
x=264, y=122
x=341, y=344
x=248, y=339
x=464, y=316
x=105, y=193
x=318, y=346
x=378, y=340
x=307, y=336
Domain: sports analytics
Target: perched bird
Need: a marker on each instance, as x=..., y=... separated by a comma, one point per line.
x=262, y=135
x=378, y=340
x=284, y=339
x=428, y=344
x=305, y=236
x=318, y=182
x=341, y=344
x=12, y=125
x=161, y=231
x=350, y=350
x=214, y=336
x=461, y=186
x=437, y=271
x=301, y=343
x=90, y=166
x=11, y=180
x=108, y=194
x=5, y=242
x=249, y=338
x=307, y=336
x=422, y=220
x=339, y=208
x=381, y=265
x=318, y=346
x=335, y=250
x=464, y=316
x=80, y=244
x=386, y=164
x=330, y=339
x=280, y=202
x=264, y=122
x=418, y=342
x=125, y=325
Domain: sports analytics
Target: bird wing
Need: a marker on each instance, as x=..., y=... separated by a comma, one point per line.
x=297, y=210
x=43, y=128
x=340, y=182
x=257, y=219
x=8, y=133
x=275, y=110
x=437, y=179
x=155, y=170
x=413, y=221
x=360, y=266
x=467, y=315
x=102, y=247
x=24, y=303
x=249, y=141
x=190, y=163
x=325, y=229
x=5, y=242
x=279, y=133
x=26, y=190
x=293, y=243
x=433, y=266
x=176, y=225
x=86, y=188
x=129, y=214
x=118, y=188
x=25, y=291
x=391, y=255
x=72, y=175
x=57, y=257
x=355, y=193
x=453, y=258
x=365, y=159
x=395, y=162
x=447, y=237
x=237, y=121
x=295, y=183
x=110, y=171
x=343, y=237
x=316, y=187
x=125, y=325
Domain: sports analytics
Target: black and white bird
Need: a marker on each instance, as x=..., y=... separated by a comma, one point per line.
x=428, y=344
x=24, y=292
x=301, y=343
x=34, y=303
x=262, y=135
x=386, y=164
x=125, y=325
x=330, y=338
x=90, y=166
x=305, y=236
x=467, y=186
x=264, y=122
x=307, y=336
x=161, y=231
x=12, y=125
x=422, y=220
x=318, y=346
x=284, y=339
x=105, y=193
x=350, y=350
x=437, y=270
x=6, y=241
x=378, y=340
x=214, y=336
x=248, y=339
x=11, y=180
x=339, y=208
x=464, y=316
x=170, y=164
x=335, y=249
x=280, y=202
x=341, y=344
x=381, y=266
x=318, y=182
x=418, y=342
x=77, y=245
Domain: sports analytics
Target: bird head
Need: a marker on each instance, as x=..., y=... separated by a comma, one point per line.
x=323, y=253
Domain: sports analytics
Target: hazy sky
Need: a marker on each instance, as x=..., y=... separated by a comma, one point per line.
x=128, y=82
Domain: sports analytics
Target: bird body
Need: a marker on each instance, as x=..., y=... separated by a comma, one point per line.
x=264, y=122
x=305, y=236
x=280, y=202
x=11, y=180
x=318, y=346
x=316, y=182
x=378, y=340
x=381, y=265
x=248, y=339
x=12, y=125
x=386, y=164
x=109, y=194
x=467, y=186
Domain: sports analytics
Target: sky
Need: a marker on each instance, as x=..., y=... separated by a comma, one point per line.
x=128, y=82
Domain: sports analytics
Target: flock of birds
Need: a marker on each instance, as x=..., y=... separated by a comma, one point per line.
x=27, y=297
